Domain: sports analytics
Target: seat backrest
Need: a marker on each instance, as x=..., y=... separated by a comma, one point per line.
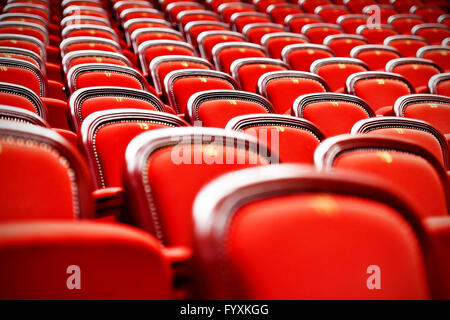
x=405, y=44
x=152, y=33
x=440, y=84
x=434, y=109
x=429, y=13
x=293, y=139
x=85, y=101
x=342, y=44
x=174, y=8
x=194, y=28
x=332, y=113
x=21, y=97
x=403, y=23
x=44, y=173
x=23, y=73
x=88, y=43
x=191, y=157
x=214, y=108
x=310, y=5
x=255, y=31
x=76, y=260
x=132, y=13
x=294, y=207
x=317, y=32
x=275, y=42
x=437, y=54
x=208, y=39
x=226, y=10
x=374, y=55
x=105, y=136
x=300, y=56
x=180, y=85
x=240, y=19
x=357, y=6
x=350, y=22
x=281, y=88
x=330, y=13
x=93, y=56
x=433, y=33
x=279, y=11
x=378, y=89
x=26, y=28
x=378, y=34
x=295, y=22
x=21, y=115
x=412, y=168
x=224, y=54
x=89, y=30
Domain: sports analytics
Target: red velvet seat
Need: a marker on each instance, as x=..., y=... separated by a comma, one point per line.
x=281, y=88
x=55, y=251
x=208, y=39
x=190, y=156
x=429, y=13
x=21, y=115
x=342, y=44
x=378, y=34
x=438, y=54
x=295, y=22
x=301, y=56
x=174, y=8
x=379, y=89
x=317, y=32
x=417, y=131
x=24, y=42
x=407, y=46
x=350, y=22
x=440, y=84
x=288, y=210
x=79, y=19
x=120, y=6
x=335, y=71
x=194, y=28
x=106, y=134
x=279, y=11
x=214, y=108
x=24, y=17
x=85, y=101
x=416, y=70
x=162, y=66
x=404, y=6
x=24, y=54
x=89, y=30
x=133, y=25
x=332, y=113
x=93, y=56
x=403, y=23
x=85, y=11
x=226, y=10
x=137, y=13
x=255, y=31
x=22, y=97
x=240, y=19
x=180, y=85
x=375, y=56
x=224, y=54
x=357, y=6
x=214, y=4
x=433, y=33
x=433, y=109
x=262, y=5
x=44, y=173
x=184, y=17
x=145, y=34
x=330, y=13
x=310, y=5
x=35, y=9
x=88, y=43
x=410, y=167
x=293, y=139
x=277, y=41
x=247, y=71
x=25, y=28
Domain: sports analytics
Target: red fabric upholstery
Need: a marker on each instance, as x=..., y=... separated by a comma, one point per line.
x=404, y=25
x=276, y=45
x=21, y=44
x=357, y=6
x=310, y=5
x=21, y=76
x=298, y=21
x=279, y=11
x=435, y=113
x=429, y=13
x=351, y=22
x=228, y=55
x=165, y=50
x=443, y=88
x=330, y=13
x=408, y=47
x=93, y=59
x=112, y=79
x=25, y=30
x=91, y=46
x=250, y=73
x=165, y=68
x=11, y=99
x=440, y=56
x=417, y=74
x=376, y=59
x=432, y=34
x=377, y=35
x=319, y=33
x=301, y=58
x=336, y=74
x=342, y=47
x=241, y=22
x=209, y=42
x=256, y=33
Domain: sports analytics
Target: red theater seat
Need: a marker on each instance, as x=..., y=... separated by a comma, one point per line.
x=342, y=44
x=24, y=42
x=429, y=13
x=44, y=173
x=379, y=89
x=385, y=11
x=330, y=13
x=240, y=19
x=407, y=46
x=79, y=19
x=350, y=22
x=194, y=28
x=184, y=17
x=433, y=33
x=21, y=97
x=88, y=43
x=277, y=41
x=145, y=34
x=129, y=14
x=190, y=156
x=54, y=251
x=403, y=23
x=357, y=6
x=25, y=28
x=301, y=56
x=438, y=54
x=281, y=88
x=93, y=56
x=440, y=84
x=255, y=31
x=295, y=22
x=88, y=30
x=294, y=208
x=404, y=6
x=374, y=55
x=310, y=5
x=433, y=109
x=21, y=115
x=224, y=54
x=292, y=138
x=226, y=10
x=378, y=34
x=279, y=11
x=174, y=8
x=332, y=113
x=208, y=39
x=317, y=32
x=262, y=5
x=393, y=160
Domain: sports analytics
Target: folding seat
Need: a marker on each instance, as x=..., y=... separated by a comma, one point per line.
x=190, y=156
x=294, y=207
x=378, y=34
x=357, y=6
x=22, y=97
x=374, y=55
x=88, y=30
x=438, y=54
x=279, y=11
x=106, y=134
x=335, y=71
x=444, y=19
x=255, y=31
x=294, y=139
x=23, y=54
x=404, y=23
x=404, y=6
x=332, y=113
x=194, y=28
x=26, y=28
x=214, y=4
x=295, y=22
x=129, y=14
x=146, y=34
x=75, y=19
x=24, y=42
x=184, y=17
x=309, y=6
x=88, y=43
x=385, y=11
x=45, y=251
x=317, y=32
x=350, y=22
x=407, y=46
x=281, y=88
x=84, y=102
x=174, y=8
x=21, y=115
x=226, y=10
x=330, y=13
x=180, y=85
x=240, y=19
x=393, y=160
x=90, y=3
x=85, y=11
x=24, y=17
x=35, y=9
x=432, y=33
x=277, y=41
x=104, y=74
x=247, y=71
x=224, y=54
x=342, y=44
x=44, y=173
x=208, y=39
x=120, y=6
x=440, y=84
x=301, y=56
x=148, y=50
x=429, y=13
x=261, y=5
x=135, y=24
x=93, y=56
x=433, y=109
x=162, y=66
x=379, y=89
x=416, y=70
x=214, y=108
x=417, y=131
